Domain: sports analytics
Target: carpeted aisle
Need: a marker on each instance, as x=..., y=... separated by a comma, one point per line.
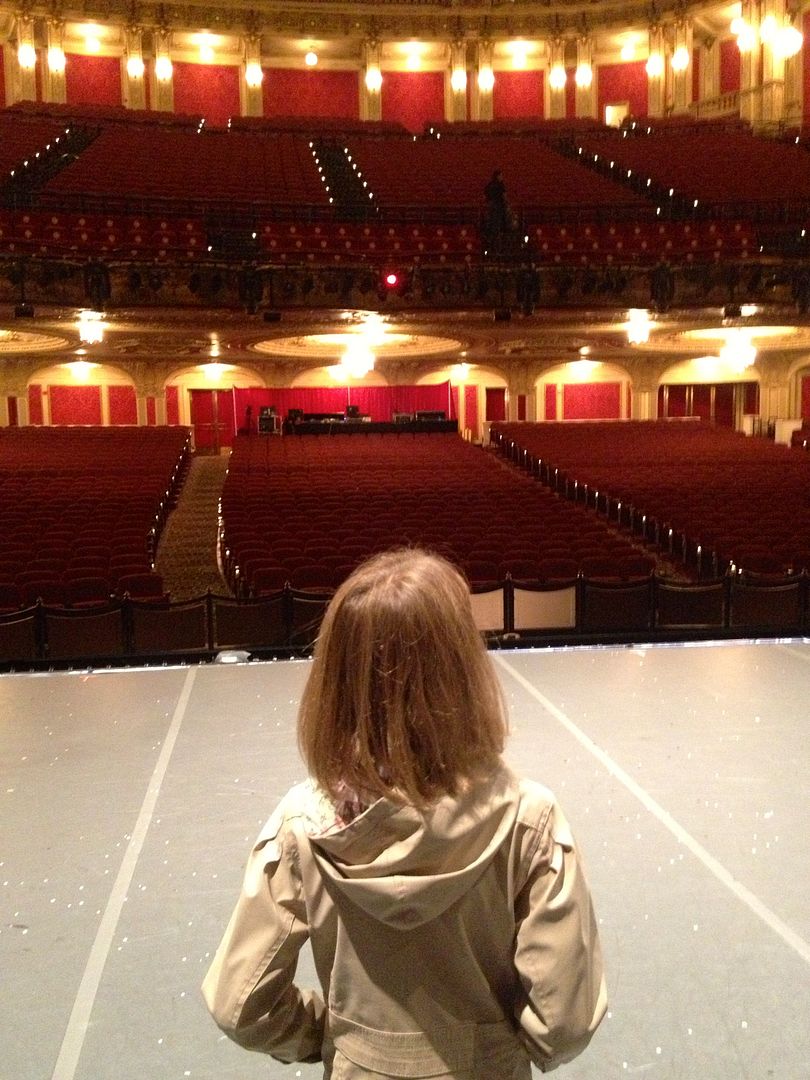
x=187, y=552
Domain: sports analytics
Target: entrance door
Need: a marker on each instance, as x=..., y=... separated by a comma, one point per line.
x=212, y=419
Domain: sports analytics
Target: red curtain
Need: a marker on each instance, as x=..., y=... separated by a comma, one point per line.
x=211, y=90
x=806, y=64
x=517, y=94
x=13, y=415
x=123, y=406
x=751, y=398
x=521, y=403
x=151, y=412
x=729, y=66
x=592, y=401
x=172, y=405
x=75, y=404
x=413, y=98
x=290, y=92
x=92, y=80
x=622, y=82
x=551, y=401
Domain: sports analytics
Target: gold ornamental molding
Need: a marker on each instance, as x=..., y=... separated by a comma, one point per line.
x=541, y=18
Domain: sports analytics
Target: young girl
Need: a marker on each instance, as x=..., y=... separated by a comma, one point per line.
x=449, y=918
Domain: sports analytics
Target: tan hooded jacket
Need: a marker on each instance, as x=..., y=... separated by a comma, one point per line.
x=457, y=943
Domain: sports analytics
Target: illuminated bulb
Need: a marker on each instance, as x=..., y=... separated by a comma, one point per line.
x=56, y=59
x=91, y=39
x=91, y=327
x=163, y=69
x=214, y=371
x=556, y=77
x=583, y=76
x=458, y=80
x=768, y=29
x=254, y=74
x=520, y=52
x=628, y=51
x=311, y=58
x=374, y=79
x=655, y=65
x=413, y=59
x=738, y=25
x=80, y=369
x=486, y=79
x=680, y=58
x=738, y=352
x=461, y=371
x=135, y=67
x=27, y=56
x=788, y=41
x=638, y=326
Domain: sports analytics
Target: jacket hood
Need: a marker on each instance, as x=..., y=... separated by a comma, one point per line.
x=405, y=867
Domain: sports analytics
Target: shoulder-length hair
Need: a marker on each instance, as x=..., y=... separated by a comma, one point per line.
x=402, y=699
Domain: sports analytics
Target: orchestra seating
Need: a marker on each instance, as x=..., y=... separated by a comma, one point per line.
x=306, y=510
x=710, y=496
x=82, y=510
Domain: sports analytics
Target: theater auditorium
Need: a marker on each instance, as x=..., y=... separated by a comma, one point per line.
x=281, y=286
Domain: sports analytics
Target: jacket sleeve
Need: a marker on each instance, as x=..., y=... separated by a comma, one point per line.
x=558, y=955
x=249, y=988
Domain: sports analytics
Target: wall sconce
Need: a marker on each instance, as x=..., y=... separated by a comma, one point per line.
x=557, y=77
x=311, y=58
x=254, y=75
x=680, y=58
x=163, y=69
x=583, y=76
x=27, y=56
x=458, y=80
x=486, y=80
x=56, y=59
x=655, y=66
x=135, y=67
x=373, y=79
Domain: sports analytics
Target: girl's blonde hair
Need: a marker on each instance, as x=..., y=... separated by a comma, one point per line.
x=402, y=699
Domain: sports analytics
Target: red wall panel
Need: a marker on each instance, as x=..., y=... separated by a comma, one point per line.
x=622, y=82
x=551, y=401
x=806, y=65
x=471, y=408
x=729, y=66
x=805, y=397
x=413, y=98
x=92, y=80
x=517, y=94
x=570, y=94
x=676, y=401
x=2, y=81
x=496, y=403
x=211, y=90
x=751, y=398
x=592, y=401
x=521, y=404
x=35, y=404
x=291, y=92
x=123, y=407
x=172, y=405
x=151, y=412
x=13, y=414
x=75, y=404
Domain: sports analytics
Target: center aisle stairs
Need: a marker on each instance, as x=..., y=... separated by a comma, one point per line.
x=187, y=552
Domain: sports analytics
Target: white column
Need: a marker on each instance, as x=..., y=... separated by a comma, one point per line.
x=371, y=82
x=484, y=82
x=25, y=79
x=456, y=96
x=162, y=88
x=585, y=78
x=681, y=65
x=53, y=75
x=133, y=81
x=555, y=79
x=656, y=72
x=250, y=92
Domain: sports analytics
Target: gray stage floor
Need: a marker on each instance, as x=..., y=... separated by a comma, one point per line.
x=130, y=800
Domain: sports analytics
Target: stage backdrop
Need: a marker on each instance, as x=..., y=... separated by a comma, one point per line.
x=378, y=402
